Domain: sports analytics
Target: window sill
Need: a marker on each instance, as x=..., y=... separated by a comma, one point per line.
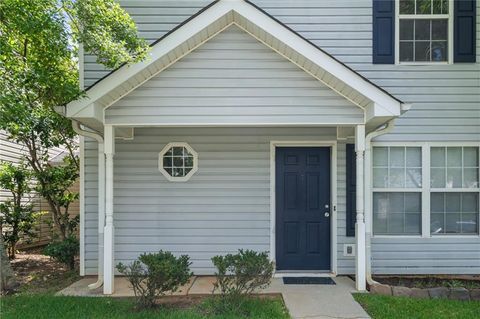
x=456, y=236
x=477, y=236
x=423, y=63
x=397, y=236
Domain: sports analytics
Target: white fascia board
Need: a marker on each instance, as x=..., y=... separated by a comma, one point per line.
x=318, y=57
x=375, y=110
x=91, y=110
x=168, y=44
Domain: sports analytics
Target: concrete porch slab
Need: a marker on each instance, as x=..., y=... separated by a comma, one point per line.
x=202, y=285
x=122, y=288
x=302, y=301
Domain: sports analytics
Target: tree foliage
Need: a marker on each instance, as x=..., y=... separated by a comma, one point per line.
x=17, y=218
x=39, y=47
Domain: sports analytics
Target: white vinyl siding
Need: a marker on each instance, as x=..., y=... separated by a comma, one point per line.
x=223, y=207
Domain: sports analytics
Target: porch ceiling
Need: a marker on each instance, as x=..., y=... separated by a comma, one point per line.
x=379, y=106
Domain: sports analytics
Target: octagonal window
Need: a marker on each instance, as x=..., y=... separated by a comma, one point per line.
x=178, y=162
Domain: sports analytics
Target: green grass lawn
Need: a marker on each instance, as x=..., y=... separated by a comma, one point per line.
x=379, y=307
x=43, y=306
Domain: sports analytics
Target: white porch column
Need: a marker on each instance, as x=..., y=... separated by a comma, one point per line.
x=108, y=263
x=360, y=261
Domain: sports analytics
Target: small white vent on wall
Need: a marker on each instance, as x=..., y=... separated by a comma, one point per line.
x=349, y=250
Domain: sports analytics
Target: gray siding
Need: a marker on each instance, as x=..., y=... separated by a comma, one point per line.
x=223, y=207
x=426, y=255
x=445, y=100
x=233, y=79
x=9, y=152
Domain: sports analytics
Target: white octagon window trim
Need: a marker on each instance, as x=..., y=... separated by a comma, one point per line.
x=167, y=170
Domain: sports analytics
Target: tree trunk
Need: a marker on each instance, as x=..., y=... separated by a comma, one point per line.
x=8, y=282
x=13, y=250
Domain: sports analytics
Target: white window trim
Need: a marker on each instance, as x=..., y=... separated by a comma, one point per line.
x=182, y=178
x=448, y=16
x=425, y=189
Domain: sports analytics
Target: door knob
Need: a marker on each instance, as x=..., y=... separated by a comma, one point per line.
x=327, y=214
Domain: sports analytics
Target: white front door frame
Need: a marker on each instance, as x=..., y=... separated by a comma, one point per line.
x=333, y=187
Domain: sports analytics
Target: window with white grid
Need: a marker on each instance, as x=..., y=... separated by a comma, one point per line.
x=397, y=182
x=426, y=189
x=178, y=161
x=424, y=31
x=454, y=190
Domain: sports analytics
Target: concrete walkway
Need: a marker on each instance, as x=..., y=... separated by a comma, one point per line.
x=321, y=301
x=302, y=301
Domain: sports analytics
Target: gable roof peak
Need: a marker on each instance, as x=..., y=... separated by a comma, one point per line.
x=215, y=18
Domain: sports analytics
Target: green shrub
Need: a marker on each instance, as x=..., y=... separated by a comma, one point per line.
x=64, y=251
x=17, y=218
x=238, y=276
x=152, y=275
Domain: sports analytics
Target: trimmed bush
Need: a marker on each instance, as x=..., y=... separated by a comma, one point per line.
x=64, y=251
x=152, y=275
x=238, y=276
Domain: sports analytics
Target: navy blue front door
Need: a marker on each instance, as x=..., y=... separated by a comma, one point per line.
x=302, y=208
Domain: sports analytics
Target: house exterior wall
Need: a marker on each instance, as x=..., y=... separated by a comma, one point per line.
x=445, y=108
x=223, y=207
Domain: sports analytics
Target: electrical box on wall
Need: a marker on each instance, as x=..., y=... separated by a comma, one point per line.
x=349, y=250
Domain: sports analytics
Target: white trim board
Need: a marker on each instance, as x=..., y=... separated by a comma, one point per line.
x=333, y=195
x=82, y=205
x=242, y=124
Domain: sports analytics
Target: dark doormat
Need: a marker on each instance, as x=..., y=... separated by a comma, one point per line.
x=308, y=281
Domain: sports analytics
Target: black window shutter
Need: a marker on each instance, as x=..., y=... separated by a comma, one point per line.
x=351, y=190
x=383, y=31
x=464, y=32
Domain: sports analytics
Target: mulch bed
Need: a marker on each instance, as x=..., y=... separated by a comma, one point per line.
x=37, y=273
x=466, y=281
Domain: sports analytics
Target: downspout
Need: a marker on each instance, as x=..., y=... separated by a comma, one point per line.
x=101, y=197
x=368, y=187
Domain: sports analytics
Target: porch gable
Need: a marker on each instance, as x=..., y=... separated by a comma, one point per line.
x=233, y=79
x=379, y=105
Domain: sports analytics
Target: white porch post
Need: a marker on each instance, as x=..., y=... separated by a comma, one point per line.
x=108, y=254
x=360, y=262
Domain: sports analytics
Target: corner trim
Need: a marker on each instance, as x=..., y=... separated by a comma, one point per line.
x=82, y=206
